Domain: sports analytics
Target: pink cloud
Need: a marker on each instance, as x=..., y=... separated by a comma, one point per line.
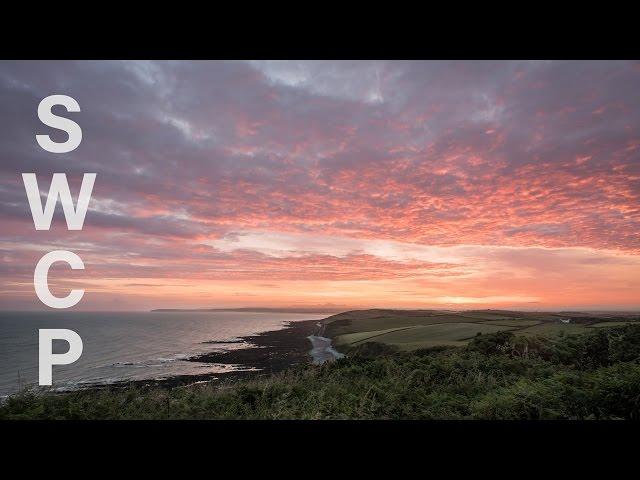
x=499, y=154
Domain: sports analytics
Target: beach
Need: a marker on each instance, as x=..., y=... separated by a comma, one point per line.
x=271, y=352
x=156, y=348
x=299, y=343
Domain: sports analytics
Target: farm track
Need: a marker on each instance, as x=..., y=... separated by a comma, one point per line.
x=388, y=332
x=371, y=328
x=511, y=328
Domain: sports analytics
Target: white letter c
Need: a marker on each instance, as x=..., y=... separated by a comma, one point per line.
x=41, y=283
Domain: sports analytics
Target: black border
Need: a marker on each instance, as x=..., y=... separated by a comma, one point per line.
x=536, y=33
x=323, y=31
x=456, y=438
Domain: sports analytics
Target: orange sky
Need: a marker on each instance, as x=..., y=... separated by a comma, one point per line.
x=358, y=184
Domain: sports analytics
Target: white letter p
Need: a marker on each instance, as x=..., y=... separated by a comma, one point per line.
x=46, y=356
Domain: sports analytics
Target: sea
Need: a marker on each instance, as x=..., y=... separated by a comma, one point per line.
x=123, y=346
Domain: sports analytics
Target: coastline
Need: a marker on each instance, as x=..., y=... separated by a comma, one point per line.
x=322, y=350
x=269, y=353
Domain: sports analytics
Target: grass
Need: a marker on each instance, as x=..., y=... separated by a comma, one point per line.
x=548, y=328
x=378, y=320
x=514, y=323
x=610, y=324
x=514, y=315
x=421, y=336
x=414, y=329
x=595, y=375
x=479, y=315
x=354, y=338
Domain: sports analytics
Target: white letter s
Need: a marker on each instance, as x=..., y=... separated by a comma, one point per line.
x=48, y=118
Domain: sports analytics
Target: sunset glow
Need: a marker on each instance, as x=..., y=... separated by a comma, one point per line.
x=354, y=184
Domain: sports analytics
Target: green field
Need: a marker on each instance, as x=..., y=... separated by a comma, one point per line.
x=415, y=329
x=514, y=323
x=592, y=376
x=549, y=328
x=610, y=324
x=354, y=338
x=422, y=336
x=376, y=320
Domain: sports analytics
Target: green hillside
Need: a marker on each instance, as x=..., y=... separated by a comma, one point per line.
x=595, y=375
x=415, y=329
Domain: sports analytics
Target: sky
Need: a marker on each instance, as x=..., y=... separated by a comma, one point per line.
x=435, y=184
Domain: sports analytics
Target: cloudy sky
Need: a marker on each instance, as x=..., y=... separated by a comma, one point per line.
x=406, y=184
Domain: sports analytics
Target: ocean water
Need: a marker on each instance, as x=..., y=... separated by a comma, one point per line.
x=127, y=345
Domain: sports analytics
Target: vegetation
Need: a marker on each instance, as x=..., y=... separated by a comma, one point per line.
x=417, y=329
x=421, y=336
x=594, y=375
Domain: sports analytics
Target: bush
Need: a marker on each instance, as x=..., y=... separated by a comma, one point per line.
x=497, y=376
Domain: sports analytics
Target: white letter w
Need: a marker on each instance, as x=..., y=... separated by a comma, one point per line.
x=59, y=188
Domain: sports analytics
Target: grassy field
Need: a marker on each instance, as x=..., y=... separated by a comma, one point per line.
x=422, y=336
x=595, y=375
x=354, y=338
x=514, y=323
x=375, y=320
x=610, y=324
x=414, y=329
x=549, y=328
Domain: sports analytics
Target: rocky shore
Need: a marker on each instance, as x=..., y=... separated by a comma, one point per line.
x=270, y=352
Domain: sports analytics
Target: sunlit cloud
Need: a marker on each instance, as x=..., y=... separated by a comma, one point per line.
x=360, y=183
